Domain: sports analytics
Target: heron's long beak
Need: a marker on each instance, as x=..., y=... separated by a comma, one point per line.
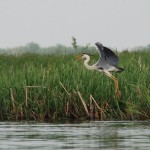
x=78, y=57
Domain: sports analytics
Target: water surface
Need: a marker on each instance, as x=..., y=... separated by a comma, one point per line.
x=107, y=135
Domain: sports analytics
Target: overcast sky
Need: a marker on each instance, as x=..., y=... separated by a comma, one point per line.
x=115, y=23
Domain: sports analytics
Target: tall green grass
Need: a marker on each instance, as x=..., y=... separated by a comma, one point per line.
x=50, y=87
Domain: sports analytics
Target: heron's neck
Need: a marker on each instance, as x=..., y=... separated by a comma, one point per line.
x=90, y=67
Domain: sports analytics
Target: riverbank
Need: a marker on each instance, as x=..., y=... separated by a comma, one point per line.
x=52, y=87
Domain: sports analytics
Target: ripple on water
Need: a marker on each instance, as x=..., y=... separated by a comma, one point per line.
x=87, y=135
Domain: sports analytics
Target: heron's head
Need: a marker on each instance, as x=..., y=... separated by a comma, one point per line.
x=82, y=56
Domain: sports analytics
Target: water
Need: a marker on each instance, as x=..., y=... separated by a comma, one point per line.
x=77, y=136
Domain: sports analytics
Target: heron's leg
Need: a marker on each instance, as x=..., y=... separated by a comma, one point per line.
x=118, y=93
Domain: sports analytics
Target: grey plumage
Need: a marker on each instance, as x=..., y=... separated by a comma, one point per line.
x=108, y=60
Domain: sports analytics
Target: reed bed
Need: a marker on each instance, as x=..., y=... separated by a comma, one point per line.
x=57, y=87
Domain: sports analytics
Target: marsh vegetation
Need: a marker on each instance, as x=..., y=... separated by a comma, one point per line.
x=56, y=86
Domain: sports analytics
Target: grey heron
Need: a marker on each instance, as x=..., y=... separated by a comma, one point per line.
x=107, y=63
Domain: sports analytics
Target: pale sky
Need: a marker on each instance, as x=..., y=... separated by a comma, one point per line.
x=115, y=23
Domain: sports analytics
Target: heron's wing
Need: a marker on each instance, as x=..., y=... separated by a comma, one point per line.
x=107, y=56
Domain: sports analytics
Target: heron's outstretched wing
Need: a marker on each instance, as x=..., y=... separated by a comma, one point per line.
x=107, y=56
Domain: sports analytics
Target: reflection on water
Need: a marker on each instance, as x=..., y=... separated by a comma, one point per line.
x=87, y=135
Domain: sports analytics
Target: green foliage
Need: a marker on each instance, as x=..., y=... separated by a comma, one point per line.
x=48, y=87
x=74, y=43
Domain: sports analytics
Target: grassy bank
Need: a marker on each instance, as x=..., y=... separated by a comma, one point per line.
x=50, y=87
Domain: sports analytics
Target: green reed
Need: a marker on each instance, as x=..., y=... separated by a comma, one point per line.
x=52, y=87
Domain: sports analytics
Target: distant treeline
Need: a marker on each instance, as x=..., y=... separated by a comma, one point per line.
x=37, y=49
x=58, y=49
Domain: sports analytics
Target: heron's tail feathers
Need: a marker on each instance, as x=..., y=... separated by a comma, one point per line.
x=119, y=69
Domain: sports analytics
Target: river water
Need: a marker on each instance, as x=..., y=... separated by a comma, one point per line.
x=107, y=135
